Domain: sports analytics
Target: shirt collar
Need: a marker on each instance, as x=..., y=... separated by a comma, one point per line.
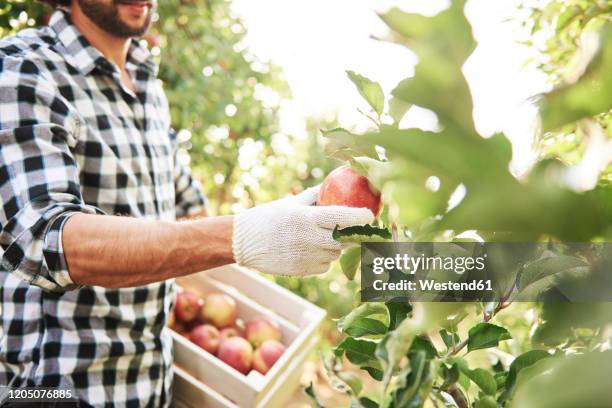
x=83, y=56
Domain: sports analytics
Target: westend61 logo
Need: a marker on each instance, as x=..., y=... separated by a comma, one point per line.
x=483, y=271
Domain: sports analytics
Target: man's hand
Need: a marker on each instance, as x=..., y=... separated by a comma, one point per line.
x=291, y=236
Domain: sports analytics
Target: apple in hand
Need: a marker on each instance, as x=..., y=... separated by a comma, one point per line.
x=266, y=355
x=260, y=329
x=206, y=336
x=219, y=309
x=188, y=306
x=237, y=353
x=344, y=186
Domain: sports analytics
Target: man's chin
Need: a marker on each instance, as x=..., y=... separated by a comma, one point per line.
x=133, y=28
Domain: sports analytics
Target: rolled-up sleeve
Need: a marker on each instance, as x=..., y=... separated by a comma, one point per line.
x=39, y=186
x=189, y=197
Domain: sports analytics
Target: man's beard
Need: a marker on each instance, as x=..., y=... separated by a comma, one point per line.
x=106, y=16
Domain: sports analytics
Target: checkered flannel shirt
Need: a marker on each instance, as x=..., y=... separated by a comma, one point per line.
x=74, y=139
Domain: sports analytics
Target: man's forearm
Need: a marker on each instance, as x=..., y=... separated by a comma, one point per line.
x=114, y=251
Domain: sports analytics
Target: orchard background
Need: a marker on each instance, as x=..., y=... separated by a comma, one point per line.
x=437, y=185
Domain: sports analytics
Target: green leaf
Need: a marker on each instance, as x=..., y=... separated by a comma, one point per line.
x=442, y=43
x=357, y=351
x=567, y=16
x=352, y=380
x=366, y=327
x=449, y=339
x=310, y=392
x=397, y=109
x=450, y=375
x=335, y=381
x=566, y=381
x=488, y=158
x=524, y=360
x=398, y=311
x=414, y=383
x=486, y=402
x=422, y=344
x=365, y=402
x=394, y=346
x=437, y=315
x=500, y=379
x=344, y=145
x=375, y=373
x=363, y=310
x=464, y=381
x=559, y=320
x=361, y=233
x=485, y=335
x=362, y=354
x=590, y=95
x=542, y=268
x=349, y=262
x=483, y=379
x=369, y=90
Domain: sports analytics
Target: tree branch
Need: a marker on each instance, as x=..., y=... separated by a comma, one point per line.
x=457, y=395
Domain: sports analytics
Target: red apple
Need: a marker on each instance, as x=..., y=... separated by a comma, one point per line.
x=344, y=186
x=232, y=331
x=219, y=309
x=260, y=329
x=206, y=336
x=171, y=319
x=266, y=355
x=180, y=328
x=188, y=306
x=237, y=353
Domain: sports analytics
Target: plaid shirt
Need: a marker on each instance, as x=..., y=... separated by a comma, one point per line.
x=74, y=139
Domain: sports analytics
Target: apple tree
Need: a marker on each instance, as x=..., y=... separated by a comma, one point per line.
x=224, y=102
x=484, y=353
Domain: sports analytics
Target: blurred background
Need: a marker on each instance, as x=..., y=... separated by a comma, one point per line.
x=251, y=85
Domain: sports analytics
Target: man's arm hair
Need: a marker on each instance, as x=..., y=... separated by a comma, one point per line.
x=113, y=251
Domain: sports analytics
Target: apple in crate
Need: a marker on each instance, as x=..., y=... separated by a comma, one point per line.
x=237, y=353
x=219, y=309
x=344, y=186
x=180, y=328
x=171, y=319
x=206, y=336
x=188, y=306
x=232, y=331
x=260, y=329
x=266, y=355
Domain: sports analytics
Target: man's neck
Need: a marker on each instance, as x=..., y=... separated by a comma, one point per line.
x=113, y=48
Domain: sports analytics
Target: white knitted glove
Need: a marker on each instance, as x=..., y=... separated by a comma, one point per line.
x=291, y=236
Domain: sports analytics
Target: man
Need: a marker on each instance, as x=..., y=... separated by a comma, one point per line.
x=84, y=138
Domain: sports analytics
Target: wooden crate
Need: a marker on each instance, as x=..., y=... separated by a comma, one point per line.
x=203, y=380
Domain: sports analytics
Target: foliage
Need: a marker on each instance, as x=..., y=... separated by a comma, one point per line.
x=482, y=354
x=224, y=103
x=228, y=100
x=565, y=34
x=18, y=14
x=432, y=353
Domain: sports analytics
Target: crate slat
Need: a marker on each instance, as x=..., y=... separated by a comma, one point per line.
x=298, y=319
